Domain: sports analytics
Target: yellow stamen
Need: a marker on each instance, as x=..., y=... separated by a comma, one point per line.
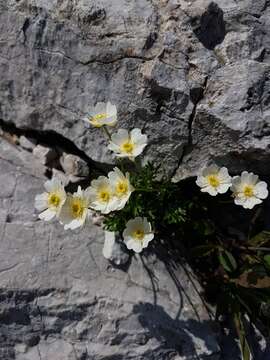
x=54, y=200
x=127, y=147
x=96, y=120
x=121, y=188
x=104, y=195
x=77, y=208
x=138, y=234
x=213, y=180
x=248, y=191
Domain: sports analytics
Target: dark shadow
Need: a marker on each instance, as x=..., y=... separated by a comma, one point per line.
x=210, y=28
x=173, y=334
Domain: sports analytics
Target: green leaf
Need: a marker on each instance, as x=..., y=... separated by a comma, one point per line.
x=267, y=259
x=202, y=250
x=260, y=239
x=227, y=260
x=244, y=346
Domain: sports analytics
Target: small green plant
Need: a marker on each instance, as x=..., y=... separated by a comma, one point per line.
x=141, y=204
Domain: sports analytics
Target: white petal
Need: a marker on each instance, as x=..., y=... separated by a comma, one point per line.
x=86, y=119
x=236, y=184
x=210, y=190
x=138, y=149
x=74, y=224
x=239, y=200
x=109, y=121
x=223, y=188
x=245, y=177
x=41, y=201
x=113, y=147
x=137, y=137
x=111, y=109
x=251, y=202
x=65, y=215
x=201, y=181
x=108, y=244
x=134, y=245
x=224, y=176
x=121, y=136
x=210, y=170
x=53, y=185
x=147, y=240
x=99, y=108
x=47, y=215
x=146, y=226
x=252, y=179
x=260, y=190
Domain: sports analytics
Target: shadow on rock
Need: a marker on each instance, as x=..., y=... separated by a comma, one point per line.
x=186, y=338
x=210, y=28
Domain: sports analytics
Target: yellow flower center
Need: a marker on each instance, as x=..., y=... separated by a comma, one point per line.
x=77, y=208
x=96, y=119
x=104, y=195
x=121, y=188
x=213, y=180
x=248, y=191
x=138, y=234
x=54, y=200
x=127, y=147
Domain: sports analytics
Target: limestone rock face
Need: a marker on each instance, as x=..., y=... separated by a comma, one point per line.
x=194, y=75
x=60, y=298
x=187, y=72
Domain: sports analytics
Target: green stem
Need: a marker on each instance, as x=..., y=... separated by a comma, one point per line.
x=106, y=131
x=146, y=190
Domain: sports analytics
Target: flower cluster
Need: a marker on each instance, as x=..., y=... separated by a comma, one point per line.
x=247, y=189
x=109, y=194
x=105, y=194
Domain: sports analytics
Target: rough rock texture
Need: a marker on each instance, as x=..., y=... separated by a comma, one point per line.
x=195, y=76
x=61, y=299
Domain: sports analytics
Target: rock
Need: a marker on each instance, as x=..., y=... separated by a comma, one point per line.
x=114, y=250
x=194, y=75
x=60, y=175
x=74, y=165
x=159, y=62
x=60, y=298
x=27, y=143
x=45, y=154
x=237, y=135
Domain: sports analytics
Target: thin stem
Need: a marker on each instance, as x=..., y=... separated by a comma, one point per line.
x=253, y=248
x=106, y=131
x=146, y=190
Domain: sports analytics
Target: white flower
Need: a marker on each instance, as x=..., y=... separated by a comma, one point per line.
x=214, y=180
x=138, y=234
x=75, y=211
x=248, y=190
x=102, y=195
x=125, y=144
x=121, y=187
x=102, y=114
x=51, y=201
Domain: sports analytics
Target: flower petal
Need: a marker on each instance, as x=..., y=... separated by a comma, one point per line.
x=41, y=201
x=261, y=190
x=47, y=215
x=121, y=136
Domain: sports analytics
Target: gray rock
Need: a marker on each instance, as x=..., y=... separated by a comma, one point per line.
x=26, y=143
x=194, y=75
x=74, y=165
x=113, y=249
x=44, y=154
x=60, y=298
x=152, y=60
